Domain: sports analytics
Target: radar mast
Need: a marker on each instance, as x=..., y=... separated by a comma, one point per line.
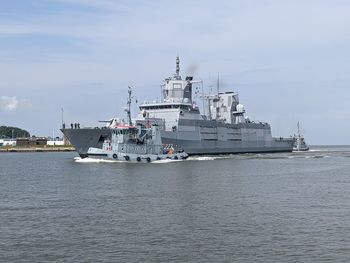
x=128, y=110
x=177, y=66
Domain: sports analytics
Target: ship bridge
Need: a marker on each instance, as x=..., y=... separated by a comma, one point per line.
x=176, y=102
x=168, y=113
x=175, y=89
x=166, y=105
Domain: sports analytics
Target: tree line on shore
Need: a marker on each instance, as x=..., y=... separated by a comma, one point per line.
x=12, y=132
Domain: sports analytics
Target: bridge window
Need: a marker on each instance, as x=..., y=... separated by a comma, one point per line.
x=177, y=86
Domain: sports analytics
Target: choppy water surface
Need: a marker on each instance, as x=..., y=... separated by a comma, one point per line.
x=290, y=207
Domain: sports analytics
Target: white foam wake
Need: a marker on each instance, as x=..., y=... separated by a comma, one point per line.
x=93, y=160
x=167, y=161
x=202, y=158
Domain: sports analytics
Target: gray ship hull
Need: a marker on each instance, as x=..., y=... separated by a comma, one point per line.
x=203, y=147
x=83, y=139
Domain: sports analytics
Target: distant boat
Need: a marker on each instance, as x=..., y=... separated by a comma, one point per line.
x=299, y=141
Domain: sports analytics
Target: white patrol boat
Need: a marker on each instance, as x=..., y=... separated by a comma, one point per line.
x=299, y=142
x=141, y=143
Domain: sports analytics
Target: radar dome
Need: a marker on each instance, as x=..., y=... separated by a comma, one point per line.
x=240, y=108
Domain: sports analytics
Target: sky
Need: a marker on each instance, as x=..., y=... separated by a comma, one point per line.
x=289, y=60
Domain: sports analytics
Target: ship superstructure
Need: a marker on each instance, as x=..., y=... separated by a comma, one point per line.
x=223, y=129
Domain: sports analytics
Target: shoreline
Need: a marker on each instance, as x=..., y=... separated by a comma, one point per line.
x=37, y=149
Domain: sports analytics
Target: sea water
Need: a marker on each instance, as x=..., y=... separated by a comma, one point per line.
x=283, y=207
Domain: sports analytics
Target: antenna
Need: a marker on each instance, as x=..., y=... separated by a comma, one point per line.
x=298, y=125
x=62, y=115
x=128, y=111
x=209, y=109
x=177, y=65
x=161, y=93
x=207, y=98
x=218, y=84
x=203, y=105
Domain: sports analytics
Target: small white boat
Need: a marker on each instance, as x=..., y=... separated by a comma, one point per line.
x=135, y=143
x=299, y=142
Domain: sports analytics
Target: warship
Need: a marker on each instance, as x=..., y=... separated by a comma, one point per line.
x=223, y=128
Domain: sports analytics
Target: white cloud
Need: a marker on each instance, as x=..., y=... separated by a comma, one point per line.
x=8, y=103
x=12, y=103
x=232, y=24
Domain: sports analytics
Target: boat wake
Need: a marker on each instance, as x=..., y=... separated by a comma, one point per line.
x=93, y=160
x=202, y=158
x=260, y=156
x=167, y=161
x=267, y=156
